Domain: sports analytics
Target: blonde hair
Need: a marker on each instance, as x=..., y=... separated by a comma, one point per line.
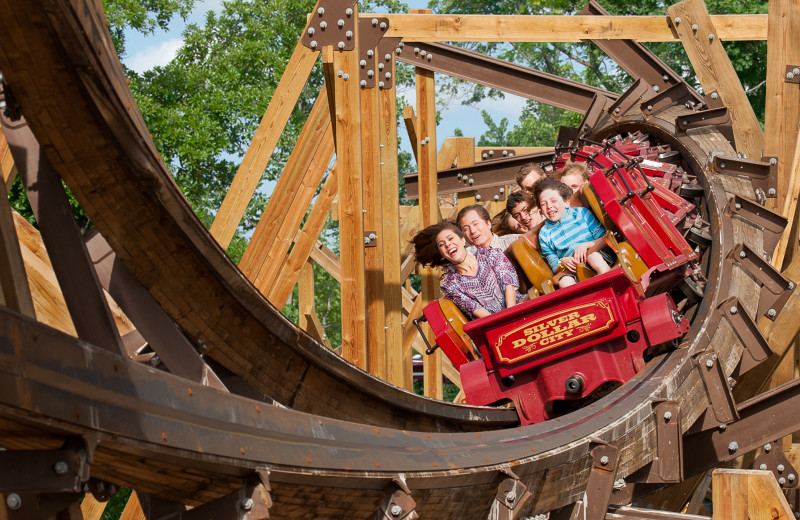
x=572, y=168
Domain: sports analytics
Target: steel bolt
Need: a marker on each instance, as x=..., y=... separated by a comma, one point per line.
x=416, y=50
x=380, y=66
x=458, y=176
x=722, y=165
x=373, y=236
x=370, y=53
x=398, y=51
x=733, y=446
x=649, y=108
x=791, y=285
x=714, y=95
x=665, y=77
x=321, y=11
x=505, y=153
x=709, y=363
x=491, y=153
x=797, y=514
x=349, y=35
x=789, y=75
x=734, y=310
x=773, y=161
x=427, y=139
x=780, y=468
x=155, y=360
x=737, y=206
x=677, y=20
x=60, y=467
x=370, y=73
x=503, y=190
x=339, y=73
x=477, y=196
x=771, y=192
x=374, y=22
x=323, y=25
x=313, y=44
x=767, y=447
x=348, y=11
x=341, y=46
x=340, y=23
x=471, y=182
x=790, y=477
x=604, y=460
x=396, y=510
x=684, y=123
x=484, y=155
x=667, y=416
x=711, y=37
x=366, y=240
x=511, y=497
x=497, y=197
x=247, y=504
x=762, y=467
x=14, y=501
x=363, y=63
x=311, y=31
x=422, y=143
x=388, y=75
x=346, y=76
x=387, y=57
x=742, y=254
x=383, y=26
x=771, y=313
x=796, y=71
x=430, y=56
x=781, y=481
x=656, y=88
x=616, y=110
x=363, y=83
x=723, y=427
x=695, y=27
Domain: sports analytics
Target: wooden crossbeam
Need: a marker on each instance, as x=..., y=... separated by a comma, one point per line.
x=266, y=138
x=547, y=28
x=753, y=494
x=7, y=167
x=701, y=40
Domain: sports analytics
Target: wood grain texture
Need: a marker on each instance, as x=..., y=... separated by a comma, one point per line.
x=748, y=495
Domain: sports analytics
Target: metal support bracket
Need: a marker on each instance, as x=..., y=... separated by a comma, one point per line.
x=756, y=348
x=386, y=52
x=763, y=175
x=775, y=288
x=372, y=66
x=771, y=223
x=721, y=407
x=596, y=109
x=397, y=503
x=792, y=74
x=718, y=117
x=45, y=471
x=511, y=497
x=597, y=495
x=370, y=239
x=35, y=506
x=628, y=99
x=771, y=458
x=331, y=24
x=679, y=94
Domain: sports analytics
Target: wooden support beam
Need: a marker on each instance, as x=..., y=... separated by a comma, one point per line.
x=266, y=138
x=133, y=509
x=373, y=225
x=391, y=238
x=351, y=204
x=546, y=28
x=783, y=98
x=304, y=241
x=91, y=508
x=7, y=166
x=753, y=494
x=411, y=127
x=309, y=321
x=701, y=39
x=783, y=253
x=429, y=206
x=292, y=194
x=15, y=291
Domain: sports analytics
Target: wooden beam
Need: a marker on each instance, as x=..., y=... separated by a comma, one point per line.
x=15, y=291
x=429, y=208
x=292, y=194
x=715, y=72
x=753, y=494
x=133, y=509
x=411, y=128
x=7, y=166
x=91, y=508
x=789, y=209
x=351, y=204
x=304, y=242
x=391, y=238
x=547, y=28
x=266, y=138
x=309, y=321
x=373, y=224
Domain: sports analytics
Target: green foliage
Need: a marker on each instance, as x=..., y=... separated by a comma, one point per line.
x=116, y=504
x=144, y=16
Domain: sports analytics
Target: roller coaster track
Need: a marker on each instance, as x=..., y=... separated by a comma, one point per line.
x=346, y=437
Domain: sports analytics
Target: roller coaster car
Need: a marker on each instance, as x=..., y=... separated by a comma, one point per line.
x=563, y=348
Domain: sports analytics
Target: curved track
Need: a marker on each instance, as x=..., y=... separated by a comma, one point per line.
x=163, y=436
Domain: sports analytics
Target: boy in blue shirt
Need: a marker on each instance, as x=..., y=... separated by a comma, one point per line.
x=568, y=233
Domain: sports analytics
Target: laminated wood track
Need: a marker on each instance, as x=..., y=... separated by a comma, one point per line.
x=347, y=436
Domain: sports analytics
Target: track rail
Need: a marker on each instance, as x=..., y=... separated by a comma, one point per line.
x=158, y=434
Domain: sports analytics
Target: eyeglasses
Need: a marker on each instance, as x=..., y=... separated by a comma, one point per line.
x=523, y=211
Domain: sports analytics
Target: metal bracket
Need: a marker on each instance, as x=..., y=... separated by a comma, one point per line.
x=678, y=94
x=370, y=32
x=45, y=471
x=512, y=495
x=771, y=458
x=251, y=502
x=718, y=117
x=762, y=174
x=370, y=239
x=397, y=503
x=756, y=348
x=597, y=495
x=792, y=74
x=595, y=112
x=332, y=23
x=669, y=453
x=387, y=50
x=771, y=223
x=775, y=288
x=721, y=408
x=34, y=506
x=628, y=99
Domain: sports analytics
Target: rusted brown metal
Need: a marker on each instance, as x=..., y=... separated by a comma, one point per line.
x=775, y=288
x=721, y=409
x=385, y=55
x=772, y=458
x=251, y=502
x=679, y=94
x=756, y=348
x=716, y=117
x=36, y=506
x=372, y=64
x=771, y=223
x=762, y=174
x=628, y=99
x=508, y=504
x=333, y=23
x=792, y=74
x=43, y=471
x=668, y=464
x=593, y=114
x=397, y=503
x=501, y=75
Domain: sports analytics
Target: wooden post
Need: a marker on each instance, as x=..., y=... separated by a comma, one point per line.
x=742, y=494
x=715, y=72
x=15, y=292
x=373, y=225
x=258, y=154
x=429, y=204
x=6, y=163
x=351, y=218
x=783, y=254
x=390, y=202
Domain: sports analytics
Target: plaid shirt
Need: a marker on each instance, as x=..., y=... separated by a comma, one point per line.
x=560, y=239
x=484, y=290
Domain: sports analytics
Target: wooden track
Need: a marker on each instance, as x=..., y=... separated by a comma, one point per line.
x=347, y=435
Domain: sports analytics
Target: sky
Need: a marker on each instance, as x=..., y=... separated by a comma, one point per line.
x=146, y=52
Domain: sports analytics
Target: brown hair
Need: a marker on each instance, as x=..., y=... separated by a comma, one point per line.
x=520, y=196
x=426, y=252
x=575, y=167
x=500, y=225
x=551, y=184
x=477, y=208
x=526, y=169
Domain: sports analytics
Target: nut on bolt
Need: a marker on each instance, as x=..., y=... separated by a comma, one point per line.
x=13, y=501
x=60, y=467
x=667, y=416
x=733, y=446
x=511, y=497
x=772, y=313
x=767, y=447
x=604, y=460
x=396, y=510
x=247, y=504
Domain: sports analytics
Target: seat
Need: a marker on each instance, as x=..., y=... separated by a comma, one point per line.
x=447, y=322
x=525, y=257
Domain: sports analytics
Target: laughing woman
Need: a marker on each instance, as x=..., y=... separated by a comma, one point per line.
x=478, y=284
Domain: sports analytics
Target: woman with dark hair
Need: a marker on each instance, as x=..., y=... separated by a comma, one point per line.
x=479, y=284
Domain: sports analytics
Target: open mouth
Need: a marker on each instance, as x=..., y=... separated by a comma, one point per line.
x=452, y=250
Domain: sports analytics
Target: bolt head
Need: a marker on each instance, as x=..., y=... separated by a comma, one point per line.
x=346, y=76
x=742, y=254
x=796, y=71
x=737, y=206
x=677, y=20
x=484, y=155
x=781, y=481
x=767, y=447
x=709, y=363
x=773, y=161
x=340, y=23
x=733, y=446
x=711, y=37
x=349, y=11
x=396, y=510
x=477, y=196
x=321, y=11
x=503, y=190
x=789, y=75
x=734, y=310
x=722, y=165
x=323, y=25
x=423, y=53
x=383, y=26
x=311, y=31
x=780, y=468
x=13, y=501
x=791, y=285
x=370, y=53
x=604, y=460
x=60, y=467
x=656, y=88
x=649, y=108
x=771, y=192
x=247, y=504
x=790, y=477
x=695, y=27
x=511, y=496
x=363, y=63
x=772, y=313
x=313, y=44
x=497, y=197
x=667, y=416
x=763, y=467
x=714, y=95
x=349, y=35
x=723, y=427
x=374, y=22
x=665, y=77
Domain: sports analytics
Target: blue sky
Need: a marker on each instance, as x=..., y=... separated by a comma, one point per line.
x=146, y=52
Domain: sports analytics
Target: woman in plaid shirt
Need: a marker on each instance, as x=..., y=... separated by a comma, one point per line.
x=568, y=233
x=479, y=284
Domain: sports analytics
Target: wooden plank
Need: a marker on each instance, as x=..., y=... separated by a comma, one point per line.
x=316, y=329
x=133, y=509
x=91, y=508
x=782, y=253
x=546, y=28
x=304, y=241
x=411, y=127
x=748, y=495
x=290, y=198
x=715, y=72
x=783, y=98
x=395, y=368
x=429, y=209
x=6, y=163
x=410, y=334
x=351, y=204
x=373, y=223
x=15, y=291
x=257, y=157
x=305, y=293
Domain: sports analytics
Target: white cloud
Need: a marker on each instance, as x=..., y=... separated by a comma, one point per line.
x=154, y=55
